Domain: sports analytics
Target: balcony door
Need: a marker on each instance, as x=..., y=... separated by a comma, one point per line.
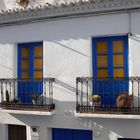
x=30, y=66
x=110, y=61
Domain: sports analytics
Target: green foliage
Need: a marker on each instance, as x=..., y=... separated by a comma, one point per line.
x=36, y=97
x=95, y=98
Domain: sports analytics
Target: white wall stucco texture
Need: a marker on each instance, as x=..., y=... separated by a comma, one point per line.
x=67, y=49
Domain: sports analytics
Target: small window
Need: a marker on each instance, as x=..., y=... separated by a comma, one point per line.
x=34, y=129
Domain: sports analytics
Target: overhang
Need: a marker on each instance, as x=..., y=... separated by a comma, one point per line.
x=73, y=9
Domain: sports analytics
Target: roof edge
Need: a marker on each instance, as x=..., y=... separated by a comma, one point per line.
x=49, y=12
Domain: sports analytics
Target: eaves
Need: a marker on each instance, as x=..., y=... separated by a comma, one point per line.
x=53, y=12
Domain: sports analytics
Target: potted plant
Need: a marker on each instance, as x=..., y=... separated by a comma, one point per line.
x=35, y=98
x=95, y=100
x=16, y=101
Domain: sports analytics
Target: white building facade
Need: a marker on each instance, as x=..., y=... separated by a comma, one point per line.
x=67, y=36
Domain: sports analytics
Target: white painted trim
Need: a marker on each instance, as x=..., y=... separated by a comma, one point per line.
x=28, y=112
x=110, y=35
x=107, y=116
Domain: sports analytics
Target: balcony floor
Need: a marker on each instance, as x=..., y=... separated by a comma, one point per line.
x=107, y=116
x=108, y=110
x=27, y=108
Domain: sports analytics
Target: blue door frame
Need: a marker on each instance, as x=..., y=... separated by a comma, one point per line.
x=103, y=88
x=26, y=89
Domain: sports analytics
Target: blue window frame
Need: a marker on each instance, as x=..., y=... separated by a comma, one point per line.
x=30, y=65
x=29, y=55
x=110, y=59
x=110, y=53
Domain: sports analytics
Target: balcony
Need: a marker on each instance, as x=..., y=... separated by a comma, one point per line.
x=27, y=96
x=108, y=97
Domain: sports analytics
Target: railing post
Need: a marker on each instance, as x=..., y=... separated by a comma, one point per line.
x=2, y=96
x=44, y=85
x=132, y=93
x=87, y=92
x=76, y=92
x=138, y=92
x=49, y=94
x=14, y=92
x=52, y=90
x=81, y=97
x=10, y=88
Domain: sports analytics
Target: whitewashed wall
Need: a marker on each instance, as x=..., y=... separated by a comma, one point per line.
x=134, y=47
x=8, y=60
x=67, y=54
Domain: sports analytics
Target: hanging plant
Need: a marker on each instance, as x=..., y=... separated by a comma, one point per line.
x=23, y=3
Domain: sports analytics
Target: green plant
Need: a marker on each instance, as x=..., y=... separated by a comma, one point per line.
x=36, y=98
x=16, y=101
x=95, y=98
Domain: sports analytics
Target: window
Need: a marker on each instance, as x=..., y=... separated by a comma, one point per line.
x=110, y=56
x=30, y=60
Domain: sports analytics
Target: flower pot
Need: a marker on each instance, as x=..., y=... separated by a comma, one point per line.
x=96, y=104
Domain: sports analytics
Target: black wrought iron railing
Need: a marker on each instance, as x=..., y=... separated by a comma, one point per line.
x=108, y=95
x=27, y=94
